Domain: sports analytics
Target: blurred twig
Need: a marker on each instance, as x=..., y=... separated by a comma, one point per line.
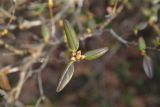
x=6, y=13
x=11, y=48
x=115, y=35
x=125, y=42
x=42, y=96
x=15, y=92
x=113, y=15
x=62, y=12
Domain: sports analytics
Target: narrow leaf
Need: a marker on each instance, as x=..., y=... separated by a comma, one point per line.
x=141, y=44
x=66, y=76
x=45, y=33
x=148, y=66
x=94, y=54
x=72, y=40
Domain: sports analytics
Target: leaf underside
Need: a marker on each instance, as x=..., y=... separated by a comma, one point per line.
x=66, y=76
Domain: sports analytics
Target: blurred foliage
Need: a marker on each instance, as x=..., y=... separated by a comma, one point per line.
x=34, y=45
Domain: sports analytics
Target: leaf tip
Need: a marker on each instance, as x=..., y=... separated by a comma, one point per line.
x=58, y=89
x=148, y=66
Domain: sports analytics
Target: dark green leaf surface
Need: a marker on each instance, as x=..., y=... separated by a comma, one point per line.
x=94, y=54
x=66, y=76
x=148, y=66
x=72, y=40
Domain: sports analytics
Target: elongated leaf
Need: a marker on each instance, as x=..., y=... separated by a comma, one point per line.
x=148, y=66
x=72, y=40
x=66, y=76
x=141, y=44
x=45, y=33
x=94, y=54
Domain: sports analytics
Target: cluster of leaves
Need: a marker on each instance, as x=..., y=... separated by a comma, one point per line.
x=73, y=45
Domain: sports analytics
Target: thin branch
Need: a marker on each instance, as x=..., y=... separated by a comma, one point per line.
x=63, y=11
x=42, y=97
x=115, y=35
x=14, y=94
x=125, y=42
x=40, y=85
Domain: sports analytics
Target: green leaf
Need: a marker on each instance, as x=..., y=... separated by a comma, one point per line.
x=148, y=66
x=66, y=76
x=72, y=40
x=94, y=54
x=141, y=44
x=45, y=33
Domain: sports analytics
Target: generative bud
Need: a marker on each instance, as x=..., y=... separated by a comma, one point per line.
x=83, y=57
x=78, y=57
x=73, y=59
x=78, y=52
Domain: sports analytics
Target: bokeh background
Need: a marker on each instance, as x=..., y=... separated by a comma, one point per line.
x=117, y=79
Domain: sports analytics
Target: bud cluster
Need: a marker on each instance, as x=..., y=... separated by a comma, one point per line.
x=77, y=56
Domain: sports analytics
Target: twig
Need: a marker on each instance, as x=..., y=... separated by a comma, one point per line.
x=6, y=13
x=40, y=85
x=111, y=18
x=11, y=48
x=42, y=97
x=23, y=75
x=14, y=94
x=125, y=42
x=64, y=9
x=115, y=35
